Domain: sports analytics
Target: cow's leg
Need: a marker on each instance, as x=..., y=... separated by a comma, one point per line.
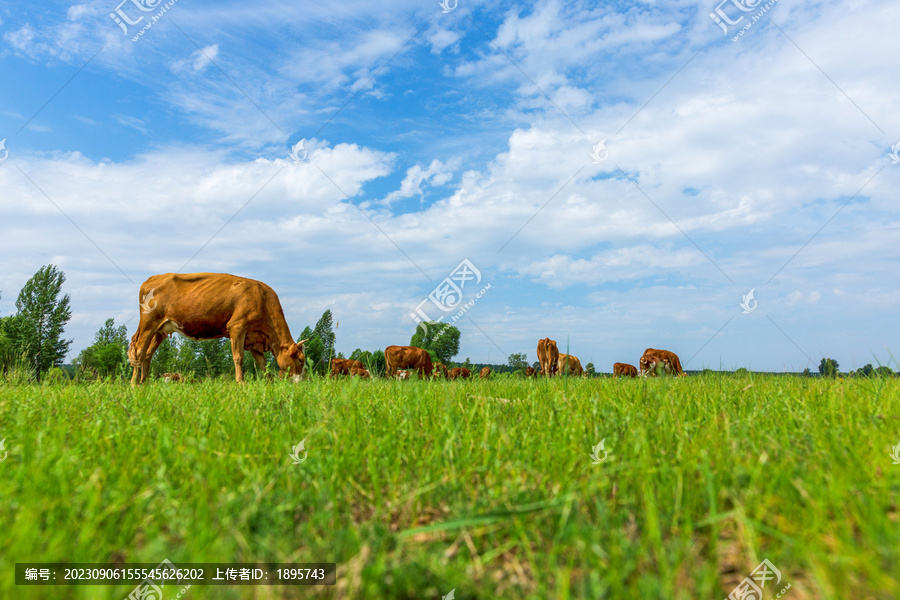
x=260, y=359
x=145, y=364
x=237, y=354
x=144, y=369
x=390, y=370
x=158, y=339
x=143, y=345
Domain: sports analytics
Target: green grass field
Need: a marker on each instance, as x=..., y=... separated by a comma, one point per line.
x=486, y=487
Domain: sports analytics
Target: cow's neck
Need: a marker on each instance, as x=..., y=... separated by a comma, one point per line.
x=281, y=334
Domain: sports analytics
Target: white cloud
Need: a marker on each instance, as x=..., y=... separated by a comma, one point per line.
x=77, y=11
x=21, y=39
x=133, y=122
x=198, y=60
x=204, y=56
x=435, y=174
x=798, y=297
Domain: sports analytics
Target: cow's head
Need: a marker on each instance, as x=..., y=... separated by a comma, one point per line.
x=655, y=365
x=292, y=360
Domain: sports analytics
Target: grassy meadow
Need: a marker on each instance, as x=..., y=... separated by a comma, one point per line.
x=417, y=488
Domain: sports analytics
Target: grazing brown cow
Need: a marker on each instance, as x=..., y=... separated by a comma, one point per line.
x=344, y=366
x=485, y=372
x=407, y=357
x=168, y=377
x=440, y=370
x=360, y=372
x=624, y=370
x=207, y=306
x=570, y=364
x=530, y=372
x=548, y=356
x=402, y=374
x=460, y=372
x=652, y=359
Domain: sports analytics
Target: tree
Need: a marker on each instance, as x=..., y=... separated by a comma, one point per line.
x=213, y=357
x=314, y=350
x=441, y=339
x=828, y=367
x=866, y=371
x=518, y=362
x=319, y=348
x=164, y=358
x=108, y=354
x=883, y=371
x=536, y=366
x=363, y=356
x=807, y=372
x=379, y=364
x=44, y=316
x=325, y=332
x=590, y=369
x=10, y=351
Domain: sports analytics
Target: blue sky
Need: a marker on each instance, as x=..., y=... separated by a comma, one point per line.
x=433, y=137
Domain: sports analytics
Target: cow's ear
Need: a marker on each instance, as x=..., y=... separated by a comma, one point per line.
x=294, y=351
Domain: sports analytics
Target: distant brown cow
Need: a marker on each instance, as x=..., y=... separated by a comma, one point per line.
x=653, y=359
x=402, y=374
x=569, y=364
x=360, y=372
x=344, y=366
x=407, y=357
x=168, y=377
x=207, y=306
x=624, y=370
x=440, y=370
x=485, y=372
x=530, y=372
x=548, y=355
x=460, y=372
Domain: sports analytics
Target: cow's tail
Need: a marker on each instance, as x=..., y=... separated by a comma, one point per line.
x=132, y=353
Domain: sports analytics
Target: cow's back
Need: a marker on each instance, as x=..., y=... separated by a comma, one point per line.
x=202, y=304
